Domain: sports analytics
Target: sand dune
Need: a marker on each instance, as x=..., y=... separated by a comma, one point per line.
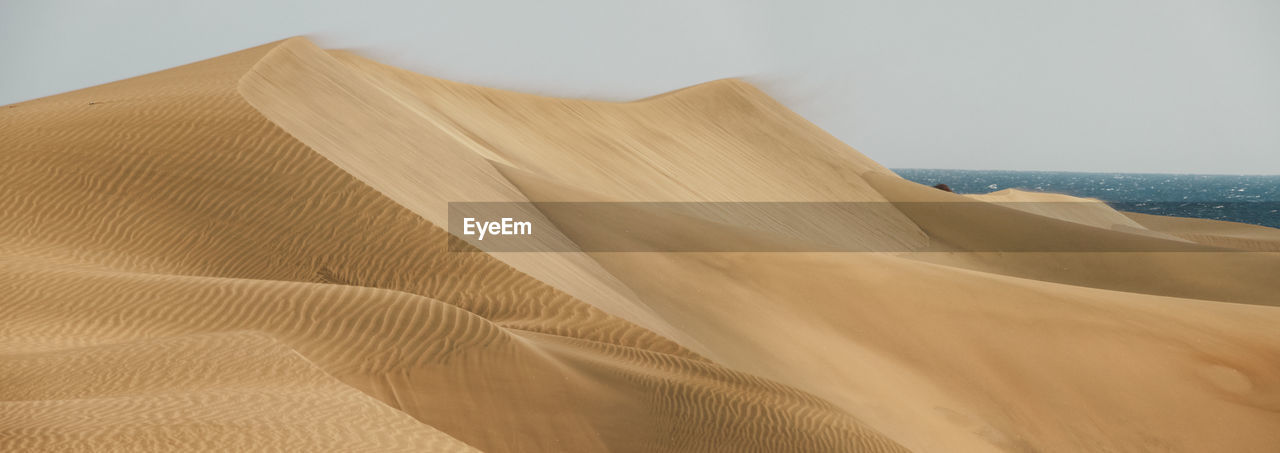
x=251, y=253
x=1213, y=232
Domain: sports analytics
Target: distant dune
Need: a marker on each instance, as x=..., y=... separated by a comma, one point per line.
x=249, y=253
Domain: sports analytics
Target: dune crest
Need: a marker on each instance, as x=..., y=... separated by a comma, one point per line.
x=250, y=253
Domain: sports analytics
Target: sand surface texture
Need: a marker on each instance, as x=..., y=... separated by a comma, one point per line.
x=249, y=253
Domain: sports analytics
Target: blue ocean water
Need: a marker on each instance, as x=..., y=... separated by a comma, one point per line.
x=1238, y=198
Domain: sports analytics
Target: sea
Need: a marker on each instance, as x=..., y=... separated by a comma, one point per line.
x=1251, y=199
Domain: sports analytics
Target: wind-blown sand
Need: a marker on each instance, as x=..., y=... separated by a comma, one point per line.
x=248, y=253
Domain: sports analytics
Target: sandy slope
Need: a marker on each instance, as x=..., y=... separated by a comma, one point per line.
x=247, y=253
x=1213, y=232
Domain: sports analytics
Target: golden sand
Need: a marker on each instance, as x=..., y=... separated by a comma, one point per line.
x=248, y=253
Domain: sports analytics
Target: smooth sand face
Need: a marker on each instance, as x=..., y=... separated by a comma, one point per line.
x=247, y=253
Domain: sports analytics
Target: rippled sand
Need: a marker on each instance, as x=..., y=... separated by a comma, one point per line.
x=248, y=253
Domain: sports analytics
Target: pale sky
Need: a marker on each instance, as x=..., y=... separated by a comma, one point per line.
x=1179, y=86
